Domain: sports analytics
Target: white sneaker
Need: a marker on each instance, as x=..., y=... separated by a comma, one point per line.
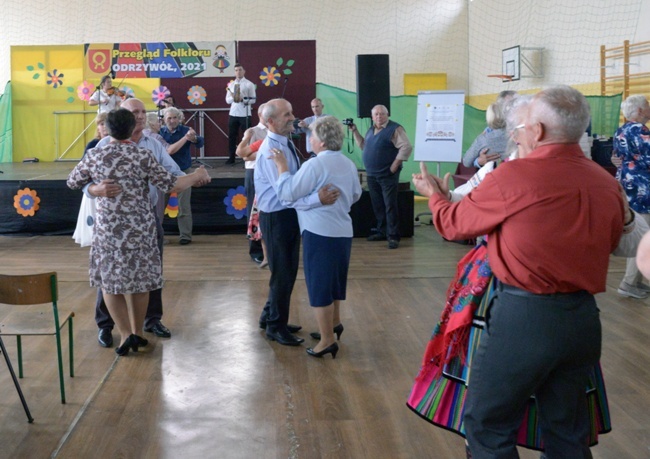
x=631, y=291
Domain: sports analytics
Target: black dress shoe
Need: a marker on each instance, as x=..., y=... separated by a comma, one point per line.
x=331, y=349
x=130, y=343
x=185, y=241
x=105, y=337
x=294, y=328
x=139, y=340
x=283, y=337
x=376, y=237
x=290, y=327
x=159, y=330
x=338, y=330
x=230, y=161
x=258, y=259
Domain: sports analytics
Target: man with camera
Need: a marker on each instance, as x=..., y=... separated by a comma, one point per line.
x=385, y=147
x=303, y=125
x=240, y=94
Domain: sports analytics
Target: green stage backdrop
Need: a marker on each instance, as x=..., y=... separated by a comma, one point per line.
x=5, y=125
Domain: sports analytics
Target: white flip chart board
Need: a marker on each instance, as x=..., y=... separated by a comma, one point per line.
x=439, y=126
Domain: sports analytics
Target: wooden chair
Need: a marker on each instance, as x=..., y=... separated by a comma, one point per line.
x=28, y=290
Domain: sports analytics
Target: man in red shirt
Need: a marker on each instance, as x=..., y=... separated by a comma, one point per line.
x=552, y=219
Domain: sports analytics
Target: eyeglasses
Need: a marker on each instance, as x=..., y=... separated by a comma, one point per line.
x=516, y=128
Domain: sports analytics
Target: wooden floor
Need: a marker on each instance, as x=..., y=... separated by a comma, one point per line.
x=219, y=389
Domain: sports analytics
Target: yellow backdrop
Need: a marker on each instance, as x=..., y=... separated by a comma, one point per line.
x=49, y=118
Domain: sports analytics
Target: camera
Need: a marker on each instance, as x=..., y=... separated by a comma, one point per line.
x=348, y=122
x=296, y=122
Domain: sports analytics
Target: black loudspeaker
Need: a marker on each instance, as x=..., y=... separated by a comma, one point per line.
x=373, y=83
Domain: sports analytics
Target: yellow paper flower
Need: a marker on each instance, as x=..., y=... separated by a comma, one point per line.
x=270, y=76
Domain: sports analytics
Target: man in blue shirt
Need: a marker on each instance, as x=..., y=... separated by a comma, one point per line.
x=317, y=108
x=279, y=221
x=179, y=138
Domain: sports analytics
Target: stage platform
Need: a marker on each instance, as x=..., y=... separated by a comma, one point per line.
x=212, y=206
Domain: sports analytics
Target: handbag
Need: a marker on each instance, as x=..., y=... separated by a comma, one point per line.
x=83, y=233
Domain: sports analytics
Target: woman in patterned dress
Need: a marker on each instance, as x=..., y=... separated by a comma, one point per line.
x=124, y=257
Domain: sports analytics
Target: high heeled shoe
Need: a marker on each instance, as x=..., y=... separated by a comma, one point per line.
x=331, y=349
x=338, y=331
x=124, y=348
x=140, y=341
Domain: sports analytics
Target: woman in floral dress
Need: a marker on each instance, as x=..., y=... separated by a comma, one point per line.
x=124, y=257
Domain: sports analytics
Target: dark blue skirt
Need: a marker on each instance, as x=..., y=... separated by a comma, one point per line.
x=326, y=261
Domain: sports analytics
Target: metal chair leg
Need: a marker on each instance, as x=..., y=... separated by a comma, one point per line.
x=30, y=419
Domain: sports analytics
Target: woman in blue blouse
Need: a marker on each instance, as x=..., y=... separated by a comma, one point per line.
x=632, y=146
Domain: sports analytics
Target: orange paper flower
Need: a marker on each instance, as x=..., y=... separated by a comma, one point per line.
x=26, y=202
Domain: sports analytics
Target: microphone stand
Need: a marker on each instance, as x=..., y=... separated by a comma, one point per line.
x=286, y=80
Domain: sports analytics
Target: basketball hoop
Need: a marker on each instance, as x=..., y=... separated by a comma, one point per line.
x=503, y=78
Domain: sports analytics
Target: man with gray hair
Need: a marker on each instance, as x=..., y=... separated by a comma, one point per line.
x=279, y=221
x=385, y=147
x=552, y=219
x=632, y=147
x=179, y=138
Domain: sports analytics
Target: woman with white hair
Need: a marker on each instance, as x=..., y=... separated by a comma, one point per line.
x=632, y=146
x=489, y=145
x=326, y=230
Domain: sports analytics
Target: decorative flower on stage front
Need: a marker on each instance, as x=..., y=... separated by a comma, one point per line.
x=196, y=95
x=85, y=90
x=236, y=202
x=172, y=206
x=54, y=79
x=270, y=76
x=26, y=202
x=159, y=94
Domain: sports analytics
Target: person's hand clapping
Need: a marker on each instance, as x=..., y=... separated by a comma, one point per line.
x=202, y=177
x=191, y=135
x=428, y=184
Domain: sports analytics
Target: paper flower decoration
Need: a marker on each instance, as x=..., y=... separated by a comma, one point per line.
x=26, y=202
x=196, y=95
x=270, y=76
x=54, y=79
x=159, y=94
x=172, y=206
x=236, y=202
x=85, y=90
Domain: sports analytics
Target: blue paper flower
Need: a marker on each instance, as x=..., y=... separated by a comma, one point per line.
x=235, y=202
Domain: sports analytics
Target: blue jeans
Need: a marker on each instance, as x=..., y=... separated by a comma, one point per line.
x=383, y=195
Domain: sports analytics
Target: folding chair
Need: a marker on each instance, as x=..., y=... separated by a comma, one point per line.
x=35, y=289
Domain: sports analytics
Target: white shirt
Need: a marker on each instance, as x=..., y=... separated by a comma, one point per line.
x=259, y=132
x=100, y=96
x=247, y=92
